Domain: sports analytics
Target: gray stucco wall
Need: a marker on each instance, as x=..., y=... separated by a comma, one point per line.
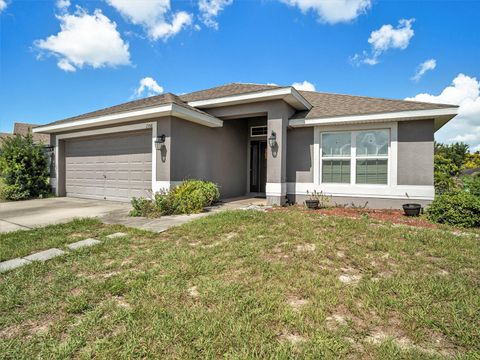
x=277, y=112
x=368, y=202
x=415, y=152
x=300, y=155
x=214, y=154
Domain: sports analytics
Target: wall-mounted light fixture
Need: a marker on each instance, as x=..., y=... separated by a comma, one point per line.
x=272, y=140
x=159, y=141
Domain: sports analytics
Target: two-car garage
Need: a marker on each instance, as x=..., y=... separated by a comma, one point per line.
x=109, y=167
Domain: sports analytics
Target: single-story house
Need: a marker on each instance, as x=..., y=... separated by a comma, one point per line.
x=24, y=129
x=251, y=139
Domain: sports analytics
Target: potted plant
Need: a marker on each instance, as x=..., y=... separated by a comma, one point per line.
x=412, y=209
x=316, y=200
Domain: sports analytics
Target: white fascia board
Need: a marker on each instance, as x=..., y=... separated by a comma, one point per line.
x=290, y=95
x=157, y=111
x=196, y=117
x=381, y=117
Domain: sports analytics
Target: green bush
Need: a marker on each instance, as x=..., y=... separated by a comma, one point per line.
x=458, y=208
x=24, y=168
x=142, y=207
x=191, y=196
x=471, y=184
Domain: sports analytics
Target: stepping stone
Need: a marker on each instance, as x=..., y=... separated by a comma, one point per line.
x=45, y=255
x=83, y=243
x=12, y=264
x=116, y=235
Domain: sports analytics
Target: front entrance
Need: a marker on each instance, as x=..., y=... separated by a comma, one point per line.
x=258, y=166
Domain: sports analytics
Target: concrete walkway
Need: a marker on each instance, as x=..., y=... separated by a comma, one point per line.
x=29, y=214
x=24, y=215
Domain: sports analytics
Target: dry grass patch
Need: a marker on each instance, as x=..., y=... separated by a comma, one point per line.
x=268, y=288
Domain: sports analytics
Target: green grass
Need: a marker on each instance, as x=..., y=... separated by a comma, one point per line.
x=23, y=243
x=246, y=284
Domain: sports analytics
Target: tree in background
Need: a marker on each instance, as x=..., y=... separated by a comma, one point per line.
x=457, y=153
x=472, y=161
x=449, y=160
x=23, y=168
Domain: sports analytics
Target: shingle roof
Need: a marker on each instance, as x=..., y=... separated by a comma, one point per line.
x=163, y=99
x=324, y=104
x=331, y=105
x=24, y=129
x=226, y=90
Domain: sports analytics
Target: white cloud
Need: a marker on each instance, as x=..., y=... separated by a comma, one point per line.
x=86, y=40
x=333, y=11
x=209, y=10
x=148, y=87
x=305, y=86
x=423, y=68
x=62, y=5
x=151, y=15
x=384, y=39
x=3, y=5
x=465, y=92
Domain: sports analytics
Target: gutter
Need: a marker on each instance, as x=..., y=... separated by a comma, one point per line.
x=149, y=113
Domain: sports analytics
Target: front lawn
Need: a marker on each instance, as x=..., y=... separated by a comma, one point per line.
x=247, y=284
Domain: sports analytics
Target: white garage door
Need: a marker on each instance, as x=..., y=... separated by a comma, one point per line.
x=110, y=167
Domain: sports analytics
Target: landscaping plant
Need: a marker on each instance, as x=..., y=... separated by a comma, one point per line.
x=23, y=168
x=191, y=196
x=457, y=208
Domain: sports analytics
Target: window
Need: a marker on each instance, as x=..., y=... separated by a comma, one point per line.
x=355, y=157
x=256, y=131
x=372, y=157
x=336, y=152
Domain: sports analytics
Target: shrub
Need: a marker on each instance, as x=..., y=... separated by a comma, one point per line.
x=191, y=196
x=471, y=184
x=141, y=207
x=24, y=168
x=456, y=208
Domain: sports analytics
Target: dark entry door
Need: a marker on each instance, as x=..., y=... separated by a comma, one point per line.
x=258, y=166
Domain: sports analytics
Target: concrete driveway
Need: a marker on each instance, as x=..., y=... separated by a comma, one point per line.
x=22, y=215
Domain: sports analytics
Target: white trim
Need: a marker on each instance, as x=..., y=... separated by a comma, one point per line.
x=288, y=94
x=157, y=111
x=392, y=151
x=276, y=189
x=257, y=127
x=111, y=130
x=412, y=192
x=381, y=117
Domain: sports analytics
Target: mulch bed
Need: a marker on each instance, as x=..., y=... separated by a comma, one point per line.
x=394, y=216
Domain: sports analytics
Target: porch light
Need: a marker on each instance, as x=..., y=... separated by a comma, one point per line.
x=159, y=141
x=272, y=140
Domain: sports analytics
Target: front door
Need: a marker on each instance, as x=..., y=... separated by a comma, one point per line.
x=258, y=166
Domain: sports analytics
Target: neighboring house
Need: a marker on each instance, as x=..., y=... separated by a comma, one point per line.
x=24, y=129
x=253, y=140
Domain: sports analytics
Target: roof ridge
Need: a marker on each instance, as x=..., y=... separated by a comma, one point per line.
x=377, y=98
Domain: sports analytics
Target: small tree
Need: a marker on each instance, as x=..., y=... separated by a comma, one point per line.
x=23, y=168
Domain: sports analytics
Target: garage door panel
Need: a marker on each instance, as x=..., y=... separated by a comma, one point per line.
x=112, y=167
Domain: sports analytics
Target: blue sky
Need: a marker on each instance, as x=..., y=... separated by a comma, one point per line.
x=63, y=58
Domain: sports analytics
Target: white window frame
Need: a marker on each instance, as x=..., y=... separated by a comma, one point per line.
x=256, y=127
x=369, y=157
x=336, y=157
x=353, y=129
